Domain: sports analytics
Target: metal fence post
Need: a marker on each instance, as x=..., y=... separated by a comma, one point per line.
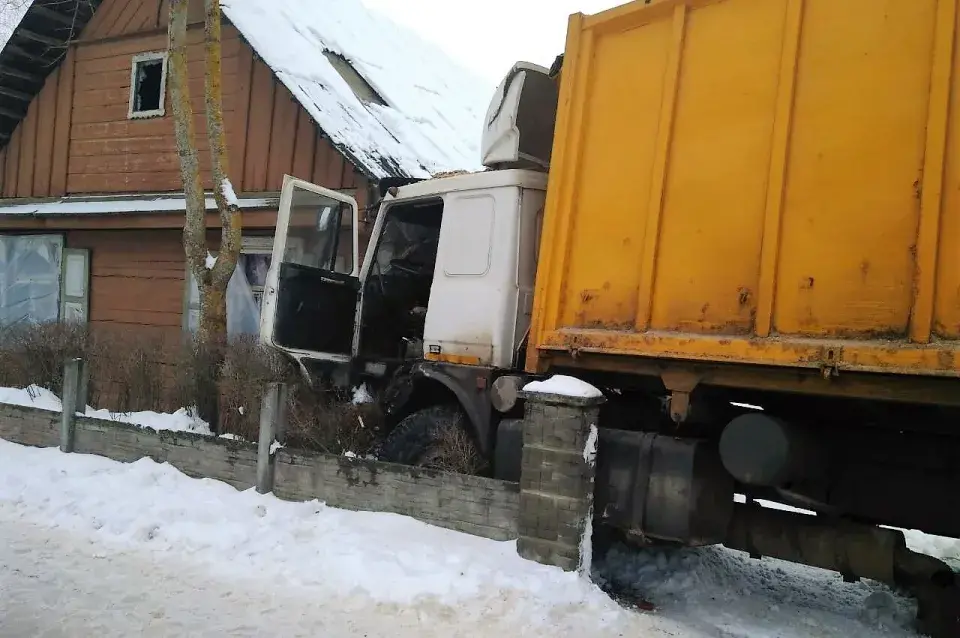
x=74, y=391
x=272, y=426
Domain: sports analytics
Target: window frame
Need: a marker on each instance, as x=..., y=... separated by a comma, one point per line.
x=138, y=59
x=251, y=245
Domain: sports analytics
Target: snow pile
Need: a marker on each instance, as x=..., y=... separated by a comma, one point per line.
x=433, y=118
x=182, y=420
x=720, y=592
x=564, y=386
x=391, y=559
x=229, y=194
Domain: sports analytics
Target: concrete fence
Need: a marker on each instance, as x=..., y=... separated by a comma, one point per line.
x=550, y=516
x=475, y=505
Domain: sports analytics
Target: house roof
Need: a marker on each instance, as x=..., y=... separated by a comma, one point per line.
x=425, y=113
x=33, y=51
x=393, y=104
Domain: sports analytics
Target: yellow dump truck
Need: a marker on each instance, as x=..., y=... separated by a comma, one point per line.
x=740, y=219
x=770, y=188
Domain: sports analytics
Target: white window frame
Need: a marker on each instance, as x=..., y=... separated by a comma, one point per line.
x=139, y=59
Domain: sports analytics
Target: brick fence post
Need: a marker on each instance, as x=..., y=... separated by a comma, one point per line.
x=556, y=479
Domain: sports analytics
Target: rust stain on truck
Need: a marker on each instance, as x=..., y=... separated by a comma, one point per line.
x=803, y=168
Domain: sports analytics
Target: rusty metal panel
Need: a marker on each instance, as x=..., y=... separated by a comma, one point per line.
x=789, y=196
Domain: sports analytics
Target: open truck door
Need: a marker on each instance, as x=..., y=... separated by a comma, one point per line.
x=312, y=291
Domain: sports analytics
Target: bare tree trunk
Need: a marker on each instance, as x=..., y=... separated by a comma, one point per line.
x=212, y=278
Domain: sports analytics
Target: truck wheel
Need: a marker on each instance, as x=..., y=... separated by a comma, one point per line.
x=436, y=438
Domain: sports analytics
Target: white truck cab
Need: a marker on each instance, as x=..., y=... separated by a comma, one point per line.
x=445, y=291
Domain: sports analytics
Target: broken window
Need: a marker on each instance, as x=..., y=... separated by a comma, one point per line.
x=148, y=85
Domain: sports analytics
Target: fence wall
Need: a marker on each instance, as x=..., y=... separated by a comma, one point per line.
x=479, y=506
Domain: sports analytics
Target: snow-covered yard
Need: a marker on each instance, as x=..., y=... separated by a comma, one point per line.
x=142, y=549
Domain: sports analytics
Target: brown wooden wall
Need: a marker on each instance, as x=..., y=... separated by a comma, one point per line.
x=77, y=139
x=137, y=277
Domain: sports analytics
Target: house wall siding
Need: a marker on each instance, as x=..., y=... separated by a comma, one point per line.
x=137, y=278
x=77, y=137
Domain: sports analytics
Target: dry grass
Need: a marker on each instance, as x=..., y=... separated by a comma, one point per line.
x=331, y=423
x=456, y=452
x=132, y=371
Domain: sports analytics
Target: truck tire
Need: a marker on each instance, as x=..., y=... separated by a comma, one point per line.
x=421, y=439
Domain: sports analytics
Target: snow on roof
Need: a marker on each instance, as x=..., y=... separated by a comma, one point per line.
x=10, y=15
x=432, y=118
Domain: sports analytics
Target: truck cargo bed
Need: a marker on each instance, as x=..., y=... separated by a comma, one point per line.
x=767, y=182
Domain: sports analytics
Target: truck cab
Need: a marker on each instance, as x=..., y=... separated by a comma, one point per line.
x=442, y=302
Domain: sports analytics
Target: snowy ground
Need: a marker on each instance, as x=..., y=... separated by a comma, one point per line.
x=140, y=549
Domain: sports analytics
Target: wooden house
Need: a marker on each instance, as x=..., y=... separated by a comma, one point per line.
x=91, y=204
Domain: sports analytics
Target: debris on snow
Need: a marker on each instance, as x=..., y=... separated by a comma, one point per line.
x=565, y=386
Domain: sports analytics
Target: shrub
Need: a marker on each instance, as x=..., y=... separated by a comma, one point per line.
x=138, y=370
x=330, y=422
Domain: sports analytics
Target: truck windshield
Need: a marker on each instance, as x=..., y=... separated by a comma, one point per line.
x=320, y=233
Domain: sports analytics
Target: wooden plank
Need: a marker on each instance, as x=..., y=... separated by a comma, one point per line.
x=305, y=146
x=282, y=138
x=144, y=19
x=258, y=129
x=63, y=124
x=782, y=125
x=934, y=163
x=651, y=242
x=125, y=163
x=321, y=158
x=127, y=182
x=124, y=145
x=28, y=152
x=104, y=19
x=239, y=94
x=13, y=164
x=125, y=18
x=333, y=175
x=46, y=121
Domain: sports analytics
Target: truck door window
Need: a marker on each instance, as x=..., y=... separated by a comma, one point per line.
x=397, y=288
x=322, y=232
